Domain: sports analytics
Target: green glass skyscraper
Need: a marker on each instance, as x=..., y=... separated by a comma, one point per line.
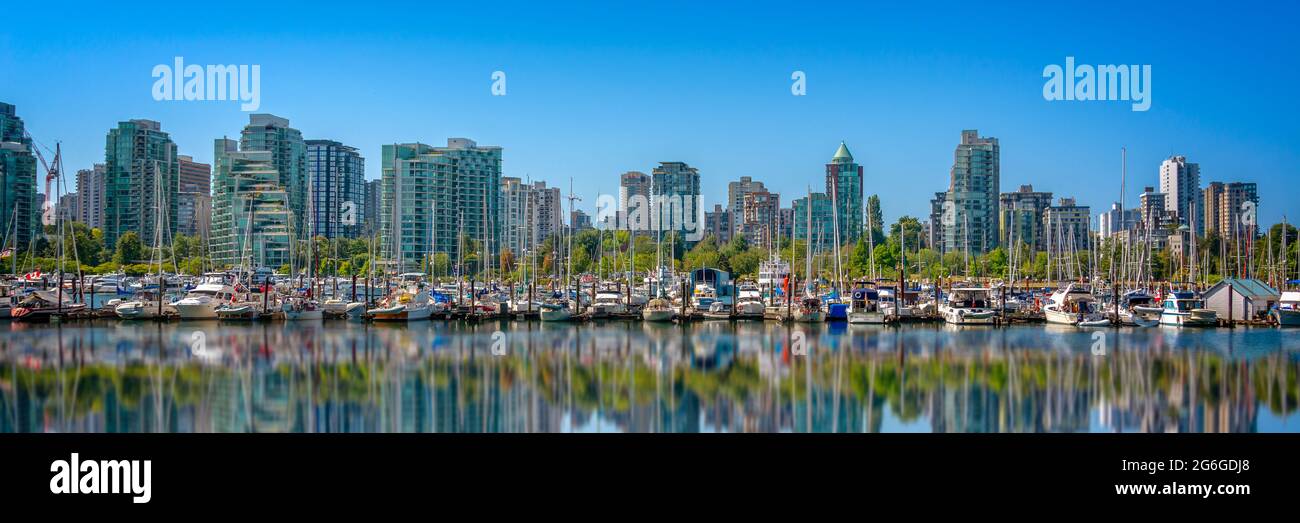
x=141, y=181
x=844, y=184
x=271, y=133
x=18, y=211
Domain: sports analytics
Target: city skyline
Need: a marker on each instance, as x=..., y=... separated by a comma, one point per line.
x=888, y=96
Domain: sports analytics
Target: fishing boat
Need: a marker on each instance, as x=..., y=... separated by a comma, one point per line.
x=968, y=305
x=1287, y=312
x=1075, y=305
x=1184, y=309
x=864, y=307
x=201, y=303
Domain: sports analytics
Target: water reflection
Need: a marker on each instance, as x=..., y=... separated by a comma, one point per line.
x=747, y=377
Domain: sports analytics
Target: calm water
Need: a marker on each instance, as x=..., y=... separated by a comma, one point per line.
x=610, y=377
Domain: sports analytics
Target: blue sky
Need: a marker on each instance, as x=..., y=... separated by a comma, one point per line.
x=596, y=89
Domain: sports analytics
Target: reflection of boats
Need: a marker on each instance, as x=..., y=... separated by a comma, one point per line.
x=1075, y=305
x=968, y=305
x=1184, y=309
x=1287, y=312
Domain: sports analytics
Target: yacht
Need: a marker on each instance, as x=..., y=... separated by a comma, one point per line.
x=968, y=305
x=202, y=302
x=749, y=301
x=864, y=307
x=405, y=304
x=1075, y=305
x=1287, y=312
x=608, y=303
x=1184, y=309
x=1138, y=309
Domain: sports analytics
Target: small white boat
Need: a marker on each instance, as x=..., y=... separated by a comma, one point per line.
x=1184, y=309
x=718, y=311
x=608, y=303
x=202, y=302
x=658, y=310
x=749, y=302
x=1138, y=309
x=144, y=305
x=1075, y=305
x=968, y=305
x=404, y=304
x=300, y=309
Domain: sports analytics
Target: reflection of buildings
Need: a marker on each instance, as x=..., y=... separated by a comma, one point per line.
x=440, y=377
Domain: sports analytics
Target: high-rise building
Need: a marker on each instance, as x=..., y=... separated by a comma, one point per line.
x=736, y=193
x=90, y=196
x=973, y=191
x=141, y=182
x=336, y=177
x=818, y=232
x=1115, y=220
x=251, y=218
x=718, y=223
x=676, y=197
x=1067, y=226
x=760, y=217
x=784, y=224
x=579, y=221
x=432, y=195
x=267, y=132
x=19, y=210
x=1180, y=181
x=529, y=214
x=1226, y=206
x=844, y=184
x=372, y=207
x=938, y=206
x=195, y=198
x=634, y=197
x=1021, y=216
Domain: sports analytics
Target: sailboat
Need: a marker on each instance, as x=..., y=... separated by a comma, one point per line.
x=809, y=309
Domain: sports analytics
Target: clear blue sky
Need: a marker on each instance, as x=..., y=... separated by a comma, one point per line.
x=596, y=89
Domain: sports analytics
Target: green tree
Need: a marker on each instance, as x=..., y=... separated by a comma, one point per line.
x=129, y=249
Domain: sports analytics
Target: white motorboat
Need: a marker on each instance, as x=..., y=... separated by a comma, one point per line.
x=1184, y=309
x=608, y=303
x=404, y=304
x=1138, y=309
x=749, y=301
x=144, y=305
x=300, y=309
x=202, y=302
x=968, y=305
x=1075, y=305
